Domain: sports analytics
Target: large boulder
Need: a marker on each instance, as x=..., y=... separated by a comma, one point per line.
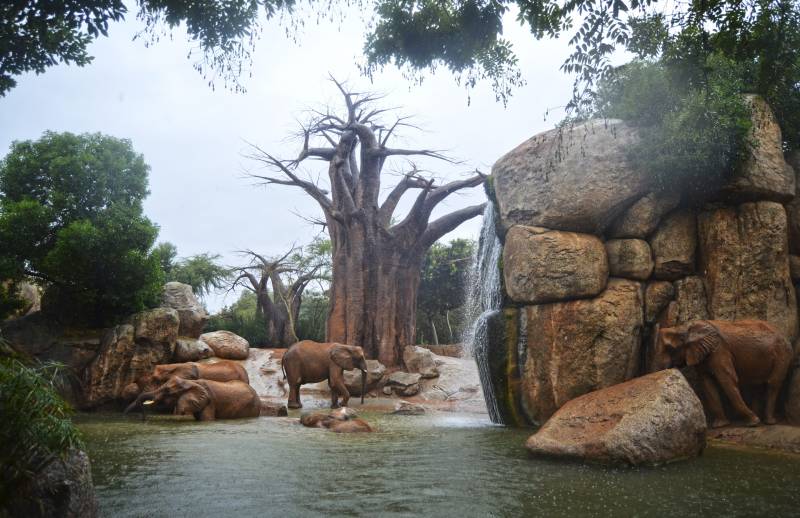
x=128, y=352
x=690, y=303
x=629, y=258
x=763, y=174
x=642, y=218
x=375, y=373
x=541, y=265
x=193, y=315
x=402, y=383
x=745, y=259
x=793, y=207
x=649, y=420
x=580, y=346
x=575, y=179
x=674, y=244
x=63, y=488
x=421, y=360
x=227, y=345
x=657, y=295
x=191, y=350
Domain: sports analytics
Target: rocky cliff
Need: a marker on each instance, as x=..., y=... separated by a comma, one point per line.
x=597, y=255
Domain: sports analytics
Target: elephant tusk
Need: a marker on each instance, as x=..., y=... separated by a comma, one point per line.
x=148, y=402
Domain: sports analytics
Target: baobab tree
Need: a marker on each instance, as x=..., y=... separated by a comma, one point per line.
x=277, y=302
x=376, y=257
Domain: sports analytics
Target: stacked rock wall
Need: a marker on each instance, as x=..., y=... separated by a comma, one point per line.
x=598, y=254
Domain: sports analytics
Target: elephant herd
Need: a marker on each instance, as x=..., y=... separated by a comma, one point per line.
x=221, y=390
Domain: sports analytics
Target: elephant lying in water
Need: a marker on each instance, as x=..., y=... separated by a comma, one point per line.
x=312, y=362
x=729, y=354
x=206, y=400
x=342, y=420
x=223, y=370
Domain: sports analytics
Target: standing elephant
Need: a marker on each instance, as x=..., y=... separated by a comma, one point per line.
x=312, y=362
x=204, y=399
x=223, y=370
x=744, y=352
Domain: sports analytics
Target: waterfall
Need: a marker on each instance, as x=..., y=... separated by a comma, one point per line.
x=484, y=299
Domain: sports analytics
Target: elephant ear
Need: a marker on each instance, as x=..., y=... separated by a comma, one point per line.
x=702, y=339
x=194, y=400
x=342, y=357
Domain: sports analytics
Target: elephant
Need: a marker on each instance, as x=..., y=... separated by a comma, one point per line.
x=730, y=354
x=336, y=421
x=206, y=400
x=223, y=370
x=312, y=362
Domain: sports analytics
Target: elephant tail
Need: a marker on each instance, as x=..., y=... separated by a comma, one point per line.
x=283, y=368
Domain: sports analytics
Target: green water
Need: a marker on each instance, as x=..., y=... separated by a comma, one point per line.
x=436, y=465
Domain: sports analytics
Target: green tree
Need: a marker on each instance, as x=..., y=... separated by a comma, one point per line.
x=202, y=272
x=36, y=426
x=243, y=319
x=443, y=289
x=71, y=218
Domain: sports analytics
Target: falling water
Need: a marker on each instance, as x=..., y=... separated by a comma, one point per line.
x=483, y=300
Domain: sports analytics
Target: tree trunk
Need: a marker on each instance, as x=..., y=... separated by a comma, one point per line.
x=373, y=295
x=433, y=329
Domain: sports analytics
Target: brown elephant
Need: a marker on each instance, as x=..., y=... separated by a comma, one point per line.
x=223, y=370
x=206, y=400
x=729, y=354
x=312, y=362
x=336, y=421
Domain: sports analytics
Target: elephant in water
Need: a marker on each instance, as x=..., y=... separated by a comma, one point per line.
x=342, y=420
x=206, y=400
x=312, y=362
x=223, y=370
x=729, y=354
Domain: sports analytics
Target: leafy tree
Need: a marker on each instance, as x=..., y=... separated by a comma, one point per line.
x=202, y=272
x=167, y=253
x=71, y=218
x=36, y=426
x=313, y=315
x=443, y=289
x=243, y=319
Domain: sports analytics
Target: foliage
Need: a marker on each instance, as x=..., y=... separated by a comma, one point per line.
x=313, y=316
x=36, y=426
x=692, y=133
x=443, y=289
x=241, y=318
x=71, y=218
x=202, y=272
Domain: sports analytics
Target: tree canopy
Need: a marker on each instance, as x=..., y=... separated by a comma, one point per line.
x=71, y=219
x=203, y=272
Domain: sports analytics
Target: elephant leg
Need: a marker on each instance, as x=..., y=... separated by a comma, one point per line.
x=207, y=414
x=341, y=388
x=728, y=383
x=334, y=397
x=714, y=403
x=294, y=396
x=774, y=385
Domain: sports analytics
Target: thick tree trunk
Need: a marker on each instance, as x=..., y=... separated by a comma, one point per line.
x=374, y=295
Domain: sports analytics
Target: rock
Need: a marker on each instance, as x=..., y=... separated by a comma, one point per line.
x=691, y=302
x=192, y=314
x=125, y=357
x=793, y=207
x=657, y=295
x=540, y=265
x=156, y=326
x=764, y=174
x=403, y=383
x=649, y=420
x=420, y=360
x=674, y=244
x=62, y=489
x=191, y=350
x=574, y=179
x=226, y=345
x=641, y=219
x=629, y=258
x=406, y=408
x=576, y=347
x=794, y=267
x=745, y=260
x=272, y=409
x=375, y=372
x=31, y=296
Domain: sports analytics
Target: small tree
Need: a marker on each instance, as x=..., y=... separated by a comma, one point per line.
x=71, y=218
x=443, y=286
x=202, y=272
x=376, y=262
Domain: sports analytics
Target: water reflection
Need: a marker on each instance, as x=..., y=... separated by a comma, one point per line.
x=441, y=465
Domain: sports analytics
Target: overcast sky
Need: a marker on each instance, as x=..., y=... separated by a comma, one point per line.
x=194, y=137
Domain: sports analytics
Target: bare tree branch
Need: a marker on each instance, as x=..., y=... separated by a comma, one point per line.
x=442, y=192
x=438, y=228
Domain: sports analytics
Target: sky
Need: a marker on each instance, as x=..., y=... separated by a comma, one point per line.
x=194, y=138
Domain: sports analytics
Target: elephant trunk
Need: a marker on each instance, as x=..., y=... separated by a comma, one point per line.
x=363, y=384
x=139, y=400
